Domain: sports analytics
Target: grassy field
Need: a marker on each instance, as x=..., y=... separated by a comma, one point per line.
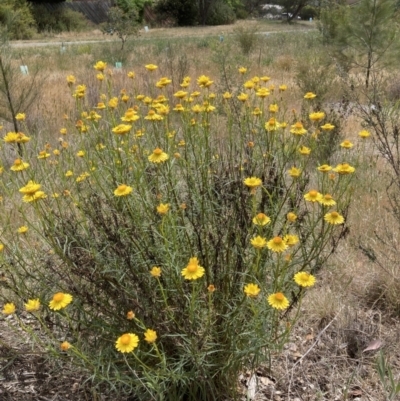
x=355, y=299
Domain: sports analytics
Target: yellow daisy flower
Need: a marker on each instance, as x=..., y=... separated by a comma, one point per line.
x=150, y=67
x=261, y=219
x=324, y=168
x=291, y=217
x=304, y=150
x=364, y=134
x=327, y=127
x=298, y=129
x=304, y=279
x=130, y=315
x=22, y=230
x=252, y=182
x=278, y=301
x=30, y=188
x=32, y=305
x=123, y=190
x=290, y=239
x=294, y=172
x=60, y=300
x=163, y=208
x=127, y=342
x=100, y=66
x=344, y=168
x=313, y=196
x=193, y=270
x=20, y=117
x=259, y=242
x=150, y=336
x=334, y=218
x=155, y=271
x=122, y=129
x=346, y=144
x=158, y=156
x=9, y=309
x=317, y=116
x=310, y=95
x=277, y=244
x=252, y=290
x=65, y=346
x=327, y=200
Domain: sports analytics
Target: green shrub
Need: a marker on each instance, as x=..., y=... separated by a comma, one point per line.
x=16, y=19
x=247, y=38
x=220, y=13
x=183, y=12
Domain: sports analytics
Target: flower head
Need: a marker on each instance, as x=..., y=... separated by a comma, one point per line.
x=122, y=129
x=344, y=168
x=310, y=95
x=346, y=144
x=259, y=242
x=163, y=208
x=334, y=218
x=304, y=279
x=242, y=70
x=327, y=200
x=317, y=116
x=290, y=239
x=150, y=67
x=32, y=305
x=277, y=244
x=272, y=125
x=211, y=288
x=22, y=230
x=155, y=271
x=65, y=346
x=291, y=217
x=261, y=219
x=327, y=127
x=364, y=134
x=130, y=315
x=304, y=150
x=150, y=336
x=127, y=342
x=100, y=66
x=278, y=301
x=158, y=156
x=20, y=117
x=251, y=290
x=252, y=182
x=298, y=129
x=313, y=196
x=324, y=168
x=123, y=190
x=294, y=172
x=30, y=188
x=193, y=270
x=60, y=300
x=9, y=309
x=19, y=165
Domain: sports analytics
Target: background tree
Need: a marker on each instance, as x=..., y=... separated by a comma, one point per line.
x=16, y=19
x=293, y=7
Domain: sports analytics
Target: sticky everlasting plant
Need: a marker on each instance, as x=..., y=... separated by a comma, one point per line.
x=169, y=254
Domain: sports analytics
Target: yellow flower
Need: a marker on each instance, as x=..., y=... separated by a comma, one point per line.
x=122, y=129
x=20, y=117
x=22, y=230
x=344, y=168
x=9, y=309
x=131, y=74
x=334, y=218
x=364, y=134
x=158, y=156
x=273, y=108
x=100, y=76
x=123, y=190
x=113, y=103
x=150, y=336
x=259, y=242
x=298, y=129
x=243, y=97
x=290, y=239
x=100, y=66
x=262, y=92
x=60, y=300
x=1, y=247
x=179, y=107
x=324, y=168
x=130, y=315
x=294, y=172
x=180, y=94
x=150, y=67
x=327, y=200
x=71, y=80
x=249, y=84
x=163, y=82
x=304, y=279
x=346, y=144
x=30, y=188
x=261, y=219
x=193, y=270
x=34, y=197
x=163, y=208
x=65, y=346
x=291, y=217
x=265, y=79
x=155, y=271
x=204, y=81
x=80, y=91
x=153, y=116
x=242, y=70
x=310, y=95
x=69, y=173
x=313, y=196
x=43, y=155
x=317, y=116
x=252, y=182
x=304, y=150
x=252, y=290
x=327, y=127
x=81, y=153
x=272, y=125
x=100, y=106
x=278, y=301
x=282, y=88
x=277, y=244
x=32, y=305
x=211, y=288
x=127, y=342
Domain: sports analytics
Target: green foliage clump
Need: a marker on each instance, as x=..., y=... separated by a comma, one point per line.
x=202, y=221
x=221, y=13
x=59, y=19
x=182, y=12
x=16, y=19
